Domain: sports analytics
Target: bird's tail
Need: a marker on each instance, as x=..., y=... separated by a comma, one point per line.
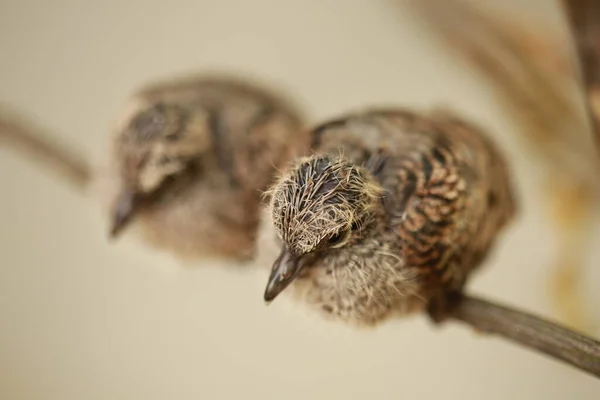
x=535, y=83
x=18, y=133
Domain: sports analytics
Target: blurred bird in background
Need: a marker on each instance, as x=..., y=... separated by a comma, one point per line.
x=535, y=81
x=190, y=158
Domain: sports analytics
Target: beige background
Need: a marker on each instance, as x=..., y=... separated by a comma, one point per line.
x=84, y=319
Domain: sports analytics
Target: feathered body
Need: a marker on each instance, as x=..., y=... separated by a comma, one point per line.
x=192, y=157
x=391, y=213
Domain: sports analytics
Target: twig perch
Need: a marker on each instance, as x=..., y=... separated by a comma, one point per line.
x=530, y=331
x=32, y=142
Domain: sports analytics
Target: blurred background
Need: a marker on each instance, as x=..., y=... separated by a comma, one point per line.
x=81, y=318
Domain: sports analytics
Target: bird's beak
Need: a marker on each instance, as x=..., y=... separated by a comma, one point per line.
x=126, y=205
x=285, y=269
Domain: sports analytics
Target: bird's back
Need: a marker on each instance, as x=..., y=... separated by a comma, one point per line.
x=448, y=191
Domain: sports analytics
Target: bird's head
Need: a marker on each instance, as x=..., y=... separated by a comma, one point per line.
x=320, y=205
x=154, y=144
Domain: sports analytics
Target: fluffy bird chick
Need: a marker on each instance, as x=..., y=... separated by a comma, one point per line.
x=389, y=215
x=192, y=158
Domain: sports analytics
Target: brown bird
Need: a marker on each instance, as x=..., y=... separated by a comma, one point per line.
x=390, y=214
x=192, y=159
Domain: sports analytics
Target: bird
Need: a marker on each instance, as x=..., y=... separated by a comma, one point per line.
x=389, y=215
x=191, y=158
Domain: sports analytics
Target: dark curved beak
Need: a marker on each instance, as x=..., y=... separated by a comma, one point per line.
x=285, y=269
x=125, y=207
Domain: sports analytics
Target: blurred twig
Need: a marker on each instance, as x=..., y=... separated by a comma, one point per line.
x=530, y=76
x=584, y=21
x=18, y=133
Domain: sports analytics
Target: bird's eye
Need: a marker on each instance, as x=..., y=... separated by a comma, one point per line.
x=336, y=239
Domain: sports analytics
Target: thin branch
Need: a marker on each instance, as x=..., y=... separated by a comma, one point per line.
x=530, y=331
x=584, y=22
x=32, y=142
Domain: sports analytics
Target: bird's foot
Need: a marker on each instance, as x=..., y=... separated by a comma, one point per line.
x=442, y=305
